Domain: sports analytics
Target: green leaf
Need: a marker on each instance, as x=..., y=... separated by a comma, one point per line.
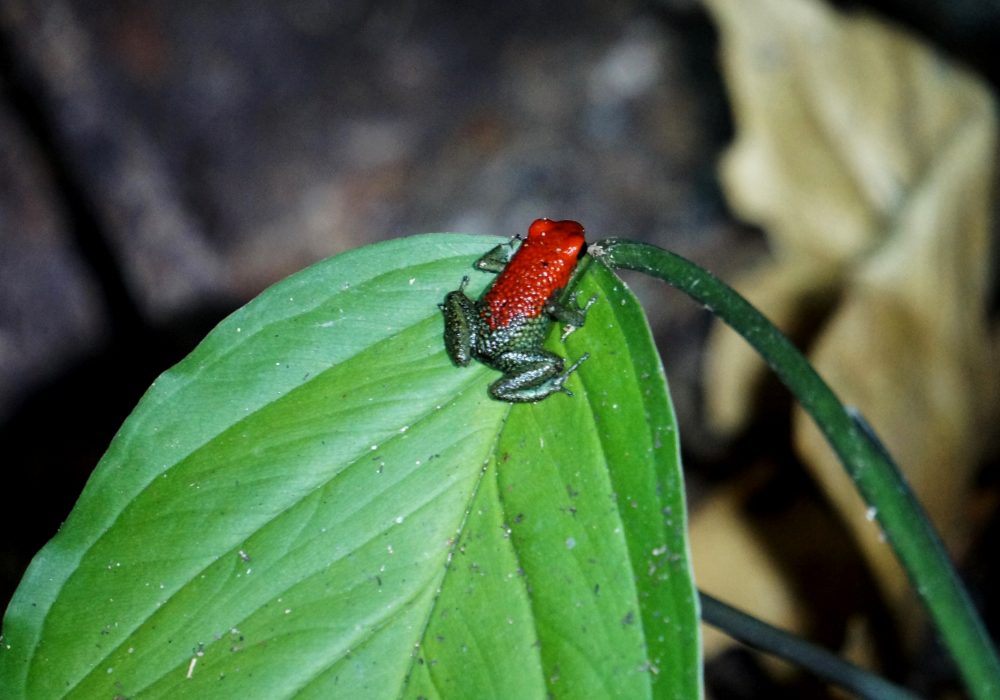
x=316, y=502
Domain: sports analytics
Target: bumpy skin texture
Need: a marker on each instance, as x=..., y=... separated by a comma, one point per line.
x=541, y=267
x=506, y=327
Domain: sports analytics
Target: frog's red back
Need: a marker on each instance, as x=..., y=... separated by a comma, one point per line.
x=543, y=264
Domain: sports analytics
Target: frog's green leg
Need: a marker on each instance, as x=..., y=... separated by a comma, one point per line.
x=459, y=337
x=570, y=315
x=496, y=259
x=531, y=376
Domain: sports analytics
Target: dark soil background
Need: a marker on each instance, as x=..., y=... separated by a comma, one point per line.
x=161, y=163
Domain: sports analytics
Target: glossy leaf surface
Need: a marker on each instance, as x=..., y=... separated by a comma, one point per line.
x=317, y=503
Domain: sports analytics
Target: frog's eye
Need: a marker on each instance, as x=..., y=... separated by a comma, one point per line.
x=539, y=227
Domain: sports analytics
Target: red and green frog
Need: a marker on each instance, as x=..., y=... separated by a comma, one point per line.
x=507, y=326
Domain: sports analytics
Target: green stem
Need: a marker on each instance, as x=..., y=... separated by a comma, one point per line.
x=821, y=662
x=867, y=463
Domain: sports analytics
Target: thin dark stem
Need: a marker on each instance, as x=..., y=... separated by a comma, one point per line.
x=771, y=640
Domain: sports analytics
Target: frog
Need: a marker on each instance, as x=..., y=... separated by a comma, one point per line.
x=506, y=327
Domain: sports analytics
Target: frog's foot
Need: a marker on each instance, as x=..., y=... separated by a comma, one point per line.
x=572, y=368
x=570, y=315
x=533, y=376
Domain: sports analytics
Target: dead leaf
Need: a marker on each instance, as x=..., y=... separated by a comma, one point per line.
x=868, y=160
x=722, y=547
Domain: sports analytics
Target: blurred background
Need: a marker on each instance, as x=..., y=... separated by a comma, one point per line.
x=162, y=163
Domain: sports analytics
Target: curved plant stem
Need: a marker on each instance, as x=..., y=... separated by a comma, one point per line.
x=867, y=463
x=821, y=662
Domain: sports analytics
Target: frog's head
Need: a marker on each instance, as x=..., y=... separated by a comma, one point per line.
x=564, y=238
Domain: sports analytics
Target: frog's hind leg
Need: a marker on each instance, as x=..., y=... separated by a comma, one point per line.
x=531, y=376
x=459, y=337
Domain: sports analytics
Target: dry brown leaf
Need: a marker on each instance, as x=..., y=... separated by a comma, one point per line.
x=790, y=565
x=733, y=564
x=910, y=346
x=868, y=159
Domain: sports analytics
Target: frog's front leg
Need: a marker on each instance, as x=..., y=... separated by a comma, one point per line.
x=570, y=315
x=460, y=317
x=531, y=376
x=496, y=258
